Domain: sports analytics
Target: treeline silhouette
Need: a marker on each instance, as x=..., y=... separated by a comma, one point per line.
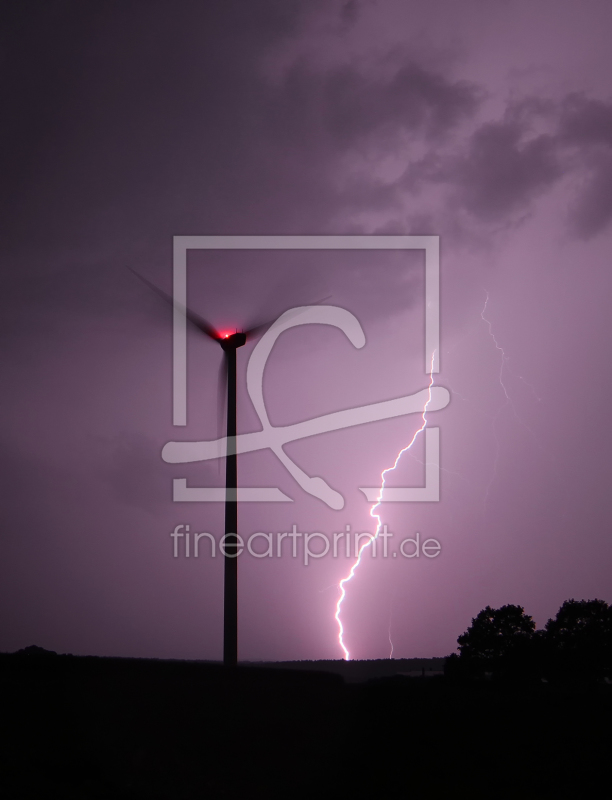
x=503, y=643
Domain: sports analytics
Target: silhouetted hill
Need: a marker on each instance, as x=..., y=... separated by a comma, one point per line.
x=34, y=650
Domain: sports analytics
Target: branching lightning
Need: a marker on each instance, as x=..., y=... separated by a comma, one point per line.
x=507, y=399
x=504, y=357
x=507, y=402
x=378, y=518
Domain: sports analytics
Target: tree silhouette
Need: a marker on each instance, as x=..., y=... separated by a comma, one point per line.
x=579, y=638
x=495, y=632
x=576, y=644
x=497, y=638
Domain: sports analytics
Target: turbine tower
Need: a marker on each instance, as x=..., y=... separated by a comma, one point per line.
x=230, y=580
x=229, y=342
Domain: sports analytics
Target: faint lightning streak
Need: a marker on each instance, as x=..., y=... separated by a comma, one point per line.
x=377, y=517
x=507, y=401
x=504, y=357
x=503, y=363
x=439, y=466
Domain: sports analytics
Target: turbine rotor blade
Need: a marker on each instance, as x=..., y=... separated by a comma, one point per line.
x=199, y=322
x=258, y=330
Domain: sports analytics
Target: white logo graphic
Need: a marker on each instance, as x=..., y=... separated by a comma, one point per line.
x=275, y=438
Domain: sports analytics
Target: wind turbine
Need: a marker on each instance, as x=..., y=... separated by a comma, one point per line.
x=230, y=342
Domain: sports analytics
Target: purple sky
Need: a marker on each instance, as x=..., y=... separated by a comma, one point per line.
x=126, y=123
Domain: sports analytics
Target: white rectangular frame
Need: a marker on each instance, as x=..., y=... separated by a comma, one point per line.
x=182, y=244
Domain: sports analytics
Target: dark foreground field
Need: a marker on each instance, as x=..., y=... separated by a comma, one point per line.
x=113, y=728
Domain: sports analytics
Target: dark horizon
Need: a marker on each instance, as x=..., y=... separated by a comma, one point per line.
x=126, y=124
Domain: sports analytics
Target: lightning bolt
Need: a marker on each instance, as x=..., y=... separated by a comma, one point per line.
x=507, y=399
x=504, y=357
x=378, y=518
x=503, y=363
x=507, y=402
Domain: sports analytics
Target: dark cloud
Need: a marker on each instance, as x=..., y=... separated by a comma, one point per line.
x=116, y=121
x=507, y=164
x=413, y=99
x=350, y=12
x=119, y=101
x=502, y=172
x=586, y=127
x=592, y=211
x=119, y=123
x=585, y=121
x=124, y=129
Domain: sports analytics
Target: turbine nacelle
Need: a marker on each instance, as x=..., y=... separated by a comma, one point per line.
x=232, y=341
